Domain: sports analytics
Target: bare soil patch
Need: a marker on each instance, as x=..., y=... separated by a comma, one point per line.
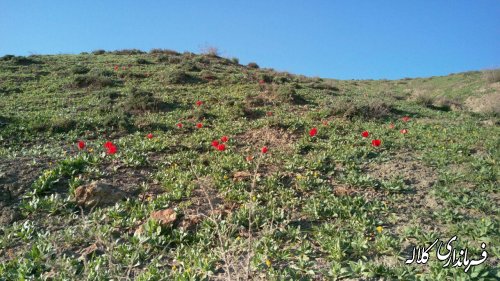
x=272, y=137
x=16, y=177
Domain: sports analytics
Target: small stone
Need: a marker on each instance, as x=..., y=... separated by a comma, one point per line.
x=238, y=176
x=164, y=217
x=98, y=194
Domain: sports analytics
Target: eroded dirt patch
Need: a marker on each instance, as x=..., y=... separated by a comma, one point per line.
x=204, y=201
x=488, y=103
x=271, y=137
x=16, y=177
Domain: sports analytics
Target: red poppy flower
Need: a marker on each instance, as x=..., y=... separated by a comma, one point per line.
x=269, y=113
x=116, y=67
x=215, y=143
x=199, y=103
x=376, y=142
x=262, y=82
x=406, y=118
x=150, y=136
x=365, y=134
x=110, y=147
x=81, y=145
x=313, y=132
x=221, y=147
x=224, y=139
x=264, y=149
x=391, y=126
x=199, y=125
x=179, y=125
x=112, y=150
x=404, y=131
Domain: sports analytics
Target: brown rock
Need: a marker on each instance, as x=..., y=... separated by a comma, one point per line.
x=94, y=249
x=190, y=222
x=342, y=191
x=98, y=194
x=164, y=217
x=238, y=176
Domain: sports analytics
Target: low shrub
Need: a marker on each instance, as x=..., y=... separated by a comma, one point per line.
x=118, y=120
x=179, y=76
x=79, y=69
x=142, y=61
x=128, y=52
x=92, y=81
x=374, y=110
x=492, y=76
x=163, y=51
x=235, y=60
x=138, y=100
x=253, y=65
x=98, y=52
x=287, y=93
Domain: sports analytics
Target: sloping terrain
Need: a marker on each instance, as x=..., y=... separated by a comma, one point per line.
x=108, y=170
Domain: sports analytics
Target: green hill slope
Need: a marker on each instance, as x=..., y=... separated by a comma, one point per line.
x=354, y=175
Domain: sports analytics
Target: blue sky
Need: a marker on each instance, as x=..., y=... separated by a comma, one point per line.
x=333, y=39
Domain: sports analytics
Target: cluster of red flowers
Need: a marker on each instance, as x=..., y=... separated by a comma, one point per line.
x=375, y=142
x=116, y=67
x=110, y=147
x=220, y=146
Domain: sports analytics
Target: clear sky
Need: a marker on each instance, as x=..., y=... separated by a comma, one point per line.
x=333, y=39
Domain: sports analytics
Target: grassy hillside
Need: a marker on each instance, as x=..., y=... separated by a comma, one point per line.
x=108, y=170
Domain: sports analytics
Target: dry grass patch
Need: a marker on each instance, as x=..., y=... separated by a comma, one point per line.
x=487, y=104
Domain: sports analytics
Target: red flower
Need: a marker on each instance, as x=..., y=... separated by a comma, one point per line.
x=81, y=145
x=376, y=142
x=179, y=125
x=224, y=139
x=313, y=132
x=110, y=147
x=221, y=147
x=215, y=143
x=116, y=67
x=199, y=103
x=391, y=126
x=404, y=131
x=406, y=118
x=365, y=134
x=199, y=125
x=264, y=149
x=150, y=136
x=261, y=81
x=269, y=113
